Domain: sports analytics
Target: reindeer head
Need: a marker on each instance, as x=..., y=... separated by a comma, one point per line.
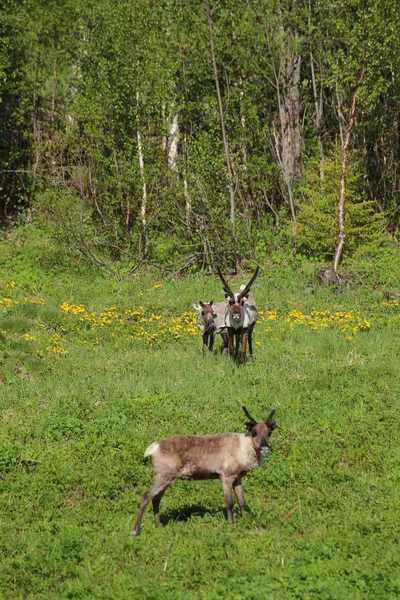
x=237, y=300
x=260, y=431
x=206, y=311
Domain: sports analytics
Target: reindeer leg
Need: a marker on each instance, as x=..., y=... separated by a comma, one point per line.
x=205, y=343
x=155, y=490
x=251, y=341
x=225, y=337
x=231, y=334
x=156, y=508
x=244, y=343
x=227, y=483
x=212, y=338
x=237, y=488
x=237, y=335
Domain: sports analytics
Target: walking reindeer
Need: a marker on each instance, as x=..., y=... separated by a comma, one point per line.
x=227, y=456
x=210, y=321
x=240, y=315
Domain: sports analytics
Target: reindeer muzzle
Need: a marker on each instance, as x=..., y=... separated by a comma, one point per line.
x=264, y=448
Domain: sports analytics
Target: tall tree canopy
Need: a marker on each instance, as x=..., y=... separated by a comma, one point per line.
x=147, y=129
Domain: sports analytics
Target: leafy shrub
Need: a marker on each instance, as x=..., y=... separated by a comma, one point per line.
x=317, y=226
x=165, y=248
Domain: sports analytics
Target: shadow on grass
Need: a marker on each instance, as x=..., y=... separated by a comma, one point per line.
x=186, y=513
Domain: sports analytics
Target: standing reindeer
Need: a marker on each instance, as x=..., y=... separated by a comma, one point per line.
x=240, y=316
x=228, y=456
x=210, y=321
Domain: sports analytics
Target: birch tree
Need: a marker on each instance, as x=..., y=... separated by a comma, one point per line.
x=222, y=120
x=345, y=146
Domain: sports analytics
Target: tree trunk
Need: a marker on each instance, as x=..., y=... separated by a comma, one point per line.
x=350, y=123
x=54, y=92
x=224, y=136
x=318, y=106
x=173, y=140
x=287, y=136
x=289, y=113
x=188, y=202
x=143, y=209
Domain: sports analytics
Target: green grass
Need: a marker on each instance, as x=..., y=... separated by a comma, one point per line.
x=322, y=518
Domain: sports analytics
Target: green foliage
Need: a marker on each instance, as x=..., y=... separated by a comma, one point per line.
x=165, y=249
x=15, y=111
x=95, y=96
x=317, y=221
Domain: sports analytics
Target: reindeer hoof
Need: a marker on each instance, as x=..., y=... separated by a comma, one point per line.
x=134, y=533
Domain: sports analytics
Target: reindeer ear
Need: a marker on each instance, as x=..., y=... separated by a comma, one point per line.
x=249, y=425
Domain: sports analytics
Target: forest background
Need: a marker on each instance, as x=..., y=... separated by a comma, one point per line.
x=196, y=133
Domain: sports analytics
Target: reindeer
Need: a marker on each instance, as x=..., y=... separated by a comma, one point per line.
x=210, y=321
x=227, y=456
x=241, y=315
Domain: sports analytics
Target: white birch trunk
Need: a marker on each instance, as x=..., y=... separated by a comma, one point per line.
x=243, y=124
x=188, y=202
x=350, y=123
x=143, y=209
x=165, y=136
x=173, y=142
x=54, y=93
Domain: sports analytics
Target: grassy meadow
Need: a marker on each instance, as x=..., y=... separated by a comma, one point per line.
x=94, y=369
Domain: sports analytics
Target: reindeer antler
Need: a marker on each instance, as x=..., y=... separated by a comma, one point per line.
x=226, y=287
x=269, y=423
x=248, y=286
x=251, y=421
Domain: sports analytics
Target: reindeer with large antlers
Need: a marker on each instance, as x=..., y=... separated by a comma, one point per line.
x=227, y=456
x=241, y=315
